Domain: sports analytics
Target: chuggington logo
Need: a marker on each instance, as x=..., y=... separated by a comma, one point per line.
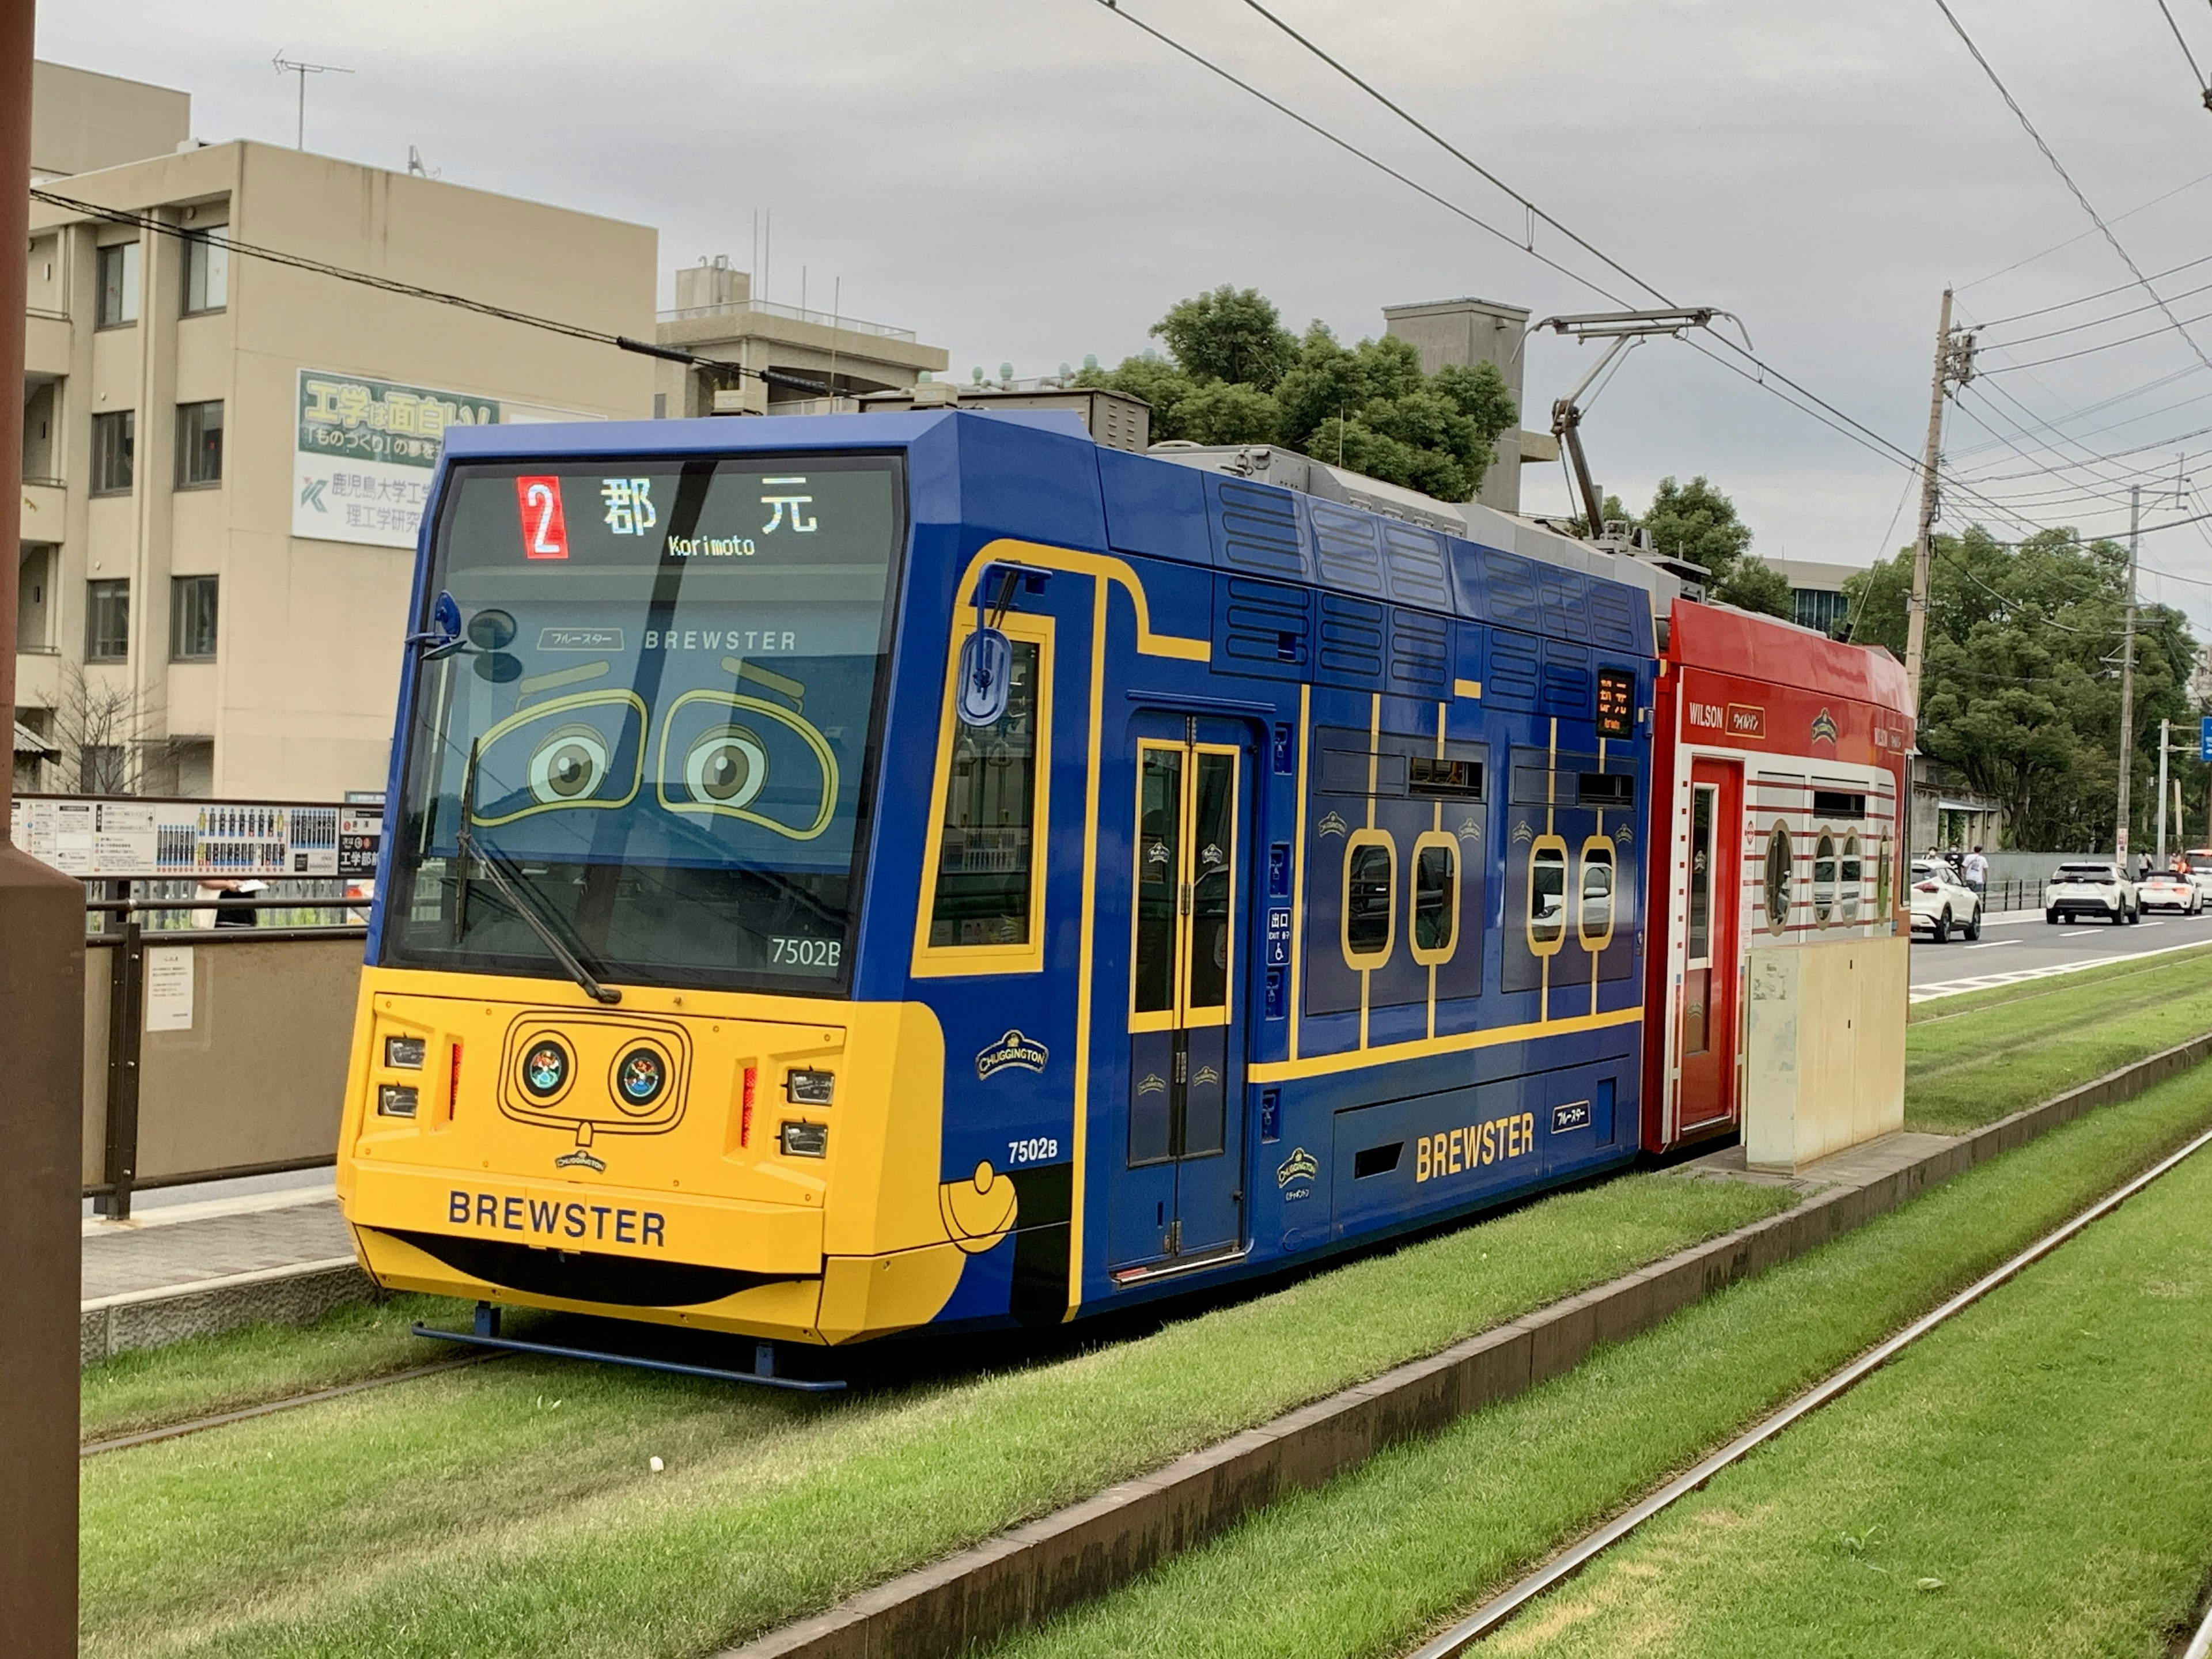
x=1824, y=729
x=1012, y=1050
x=1333, y=823
x=1299, y=1169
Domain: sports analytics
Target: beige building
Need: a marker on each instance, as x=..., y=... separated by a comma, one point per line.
x=716, y=316
x=1465, y=332
x=225, y=458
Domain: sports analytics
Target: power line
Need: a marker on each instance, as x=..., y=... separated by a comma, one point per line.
x=2059, y=247
x=2102, y=293
x=2202, y=86
x=2057, y=166
x=436, y=296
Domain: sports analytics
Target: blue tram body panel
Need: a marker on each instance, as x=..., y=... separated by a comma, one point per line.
x=1338, y=921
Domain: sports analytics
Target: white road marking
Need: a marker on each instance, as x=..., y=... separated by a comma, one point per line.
x=1983, y=981
x=2081, y=932
x=1993, y=944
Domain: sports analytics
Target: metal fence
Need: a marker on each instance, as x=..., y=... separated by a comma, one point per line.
x=213, y=1052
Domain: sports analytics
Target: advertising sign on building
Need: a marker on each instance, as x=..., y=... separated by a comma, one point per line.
x=364, y=451
x=84, y=835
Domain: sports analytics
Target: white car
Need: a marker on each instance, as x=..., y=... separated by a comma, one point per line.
x=2090, y=889
x=1941, y=902
x=2200, y=868
x=2168, y=890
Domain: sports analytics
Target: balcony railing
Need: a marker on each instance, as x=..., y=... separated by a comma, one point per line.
x=797, y=314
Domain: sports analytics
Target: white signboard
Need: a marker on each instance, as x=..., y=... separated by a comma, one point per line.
x=162, y=839
x=364, y=452
x=169, y=987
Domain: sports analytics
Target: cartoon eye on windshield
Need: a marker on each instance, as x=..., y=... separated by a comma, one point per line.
x=583, y=750
x=725, y=754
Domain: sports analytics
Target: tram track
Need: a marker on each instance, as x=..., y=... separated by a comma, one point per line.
x=1469, y=1633
x=271, y=1407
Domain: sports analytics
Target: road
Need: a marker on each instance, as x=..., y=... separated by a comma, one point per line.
x=2020, y=945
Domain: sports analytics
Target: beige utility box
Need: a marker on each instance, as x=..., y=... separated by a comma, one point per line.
x=1823, y=1048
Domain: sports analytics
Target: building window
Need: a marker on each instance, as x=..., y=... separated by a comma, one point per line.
x=106, y=621
x=119, y=285
x=199, y=444
x=104, y=768
x=207, y=272
x=114, y=440
x=1824, y=610
x=191, y=618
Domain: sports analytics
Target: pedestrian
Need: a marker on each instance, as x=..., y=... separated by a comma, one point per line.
x=1977, y=871
x=1957, y=860
x=2142, y=871
x=232, y=907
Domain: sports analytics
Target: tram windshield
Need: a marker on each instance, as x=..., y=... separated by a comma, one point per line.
x=659, y=725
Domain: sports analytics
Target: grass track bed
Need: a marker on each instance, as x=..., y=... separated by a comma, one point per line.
x=2020, y=1045
x=508, y=1509
x=2034, y=1477
x=1378, y=1558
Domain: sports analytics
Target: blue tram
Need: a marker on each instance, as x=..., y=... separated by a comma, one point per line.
x=744, y=959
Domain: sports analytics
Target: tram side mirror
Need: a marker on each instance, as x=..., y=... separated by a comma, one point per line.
x=987, y=663
x=443, y=636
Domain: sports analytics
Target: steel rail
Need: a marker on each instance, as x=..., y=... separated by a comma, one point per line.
x=2200, y=1645
x=1459, y=1638
x=244, y=1414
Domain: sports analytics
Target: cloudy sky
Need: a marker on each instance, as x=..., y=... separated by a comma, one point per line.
x=1029, y=180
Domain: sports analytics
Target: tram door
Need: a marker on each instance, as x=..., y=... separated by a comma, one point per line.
x=1181, y=1193
x=1707, y=1087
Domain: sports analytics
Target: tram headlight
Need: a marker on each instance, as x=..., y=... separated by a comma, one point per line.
x=570, y=765
x=726, y=766
x=804, y=1139
x=397, y=1099
x=803, y=1086
x=404, y=1054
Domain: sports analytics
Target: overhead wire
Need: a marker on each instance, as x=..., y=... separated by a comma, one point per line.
x=2067, y=179
x=2082, y=236
x=2203, y=87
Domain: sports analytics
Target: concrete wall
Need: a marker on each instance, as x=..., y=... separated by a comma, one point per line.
x=1823, y=1048
x=1465, y=332
x=80, y=121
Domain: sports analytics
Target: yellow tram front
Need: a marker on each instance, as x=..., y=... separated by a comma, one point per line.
x=608, y=1053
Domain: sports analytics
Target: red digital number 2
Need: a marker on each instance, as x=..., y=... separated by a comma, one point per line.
x=544, y=526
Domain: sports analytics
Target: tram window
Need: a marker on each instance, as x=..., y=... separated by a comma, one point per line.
x=1436, y=900
x=1460, y=780
x=1781, y=862
x=1824, y=880
x=1595, y=923
x=1850, y=875
x=1608, y=789
x=1548, y=895
x=985, y=849
x=1159, y=833
x=1212, y=868
x=1702, y=799
x=1838, y=803
x=1370, y=877
x=1882, y=879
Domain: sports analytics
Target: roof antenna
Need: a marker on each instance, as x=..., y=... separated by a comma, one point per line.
x=287, y=66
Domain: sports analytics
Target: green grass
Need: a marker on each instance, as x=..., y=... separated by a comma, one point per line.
x=1397, y=1548
x=2033, y=1040
x=2035, y=1477
x=508, y=1509
x=209, y=1374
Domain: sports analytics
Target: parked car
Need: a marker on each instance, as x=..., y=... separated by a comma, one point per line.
x=2168, y=890
x=2090, y=889
x=1941, y=902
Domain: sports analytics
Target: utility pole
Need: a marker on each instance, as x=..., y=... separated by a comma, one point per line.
x=2128, y=673
x=1954, y=365
x=2165, y=732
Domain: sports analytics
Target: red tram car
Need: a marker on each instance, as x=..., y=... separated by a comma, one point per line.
x=1778, y=768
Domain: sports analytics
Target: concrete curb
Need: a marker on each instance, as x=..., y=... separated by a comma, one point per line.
x=1039, y=1569
x=290, y=1295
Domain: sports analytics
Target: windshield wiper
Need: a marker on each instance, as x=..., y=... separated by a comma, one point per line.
x=490, y=858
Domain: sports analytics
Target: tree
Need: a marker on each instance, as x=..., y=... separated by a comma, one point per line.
x=1695, y=521
x=1751, y=583
x=1239, y=377
x=2019, y=688
x=1230, y=334
x=100, y=737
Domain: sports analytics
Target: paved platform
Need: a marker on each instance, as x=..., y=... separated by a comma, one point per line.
x=190, y=1269
x=1855, y=1166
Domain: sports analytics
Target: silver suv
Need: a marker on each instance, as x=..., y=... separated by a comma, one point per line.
x=2090, y=889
